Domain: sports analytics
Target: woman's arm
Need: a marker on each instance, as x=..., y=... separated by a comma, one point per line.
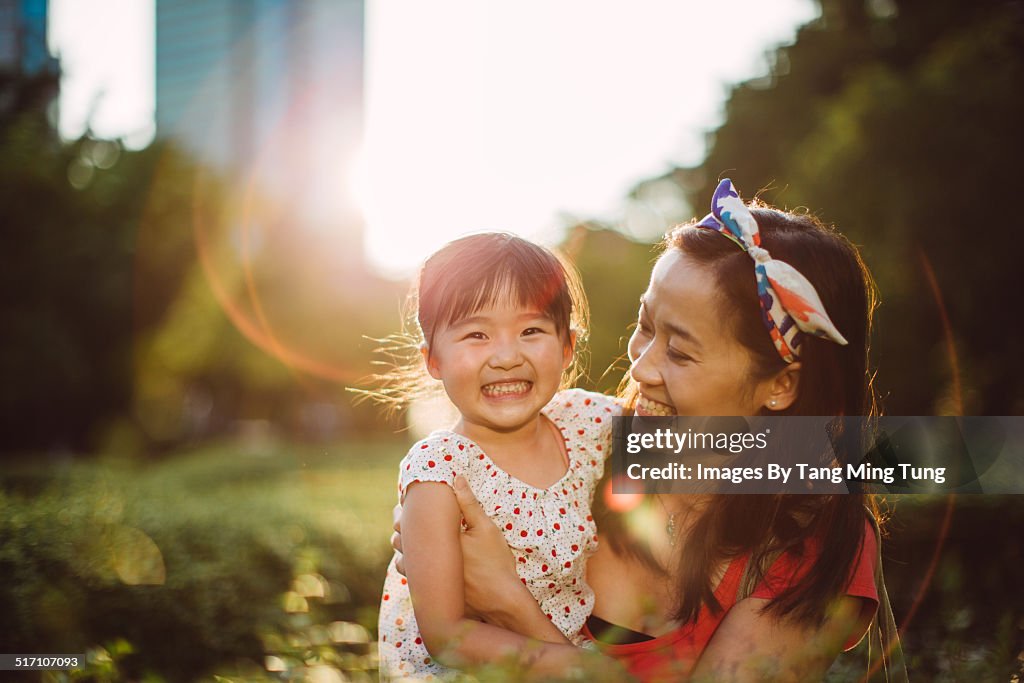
x=752, y=646
x=433, y=565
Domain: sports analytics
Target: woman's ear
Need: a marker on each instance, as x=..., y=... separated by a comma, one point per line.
x=783, y=389
x=569, y=352
x=430, y=362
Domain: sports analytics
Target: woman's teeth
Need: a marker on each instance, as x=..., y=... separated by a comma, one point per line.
x=506, y=388
x=650, y=407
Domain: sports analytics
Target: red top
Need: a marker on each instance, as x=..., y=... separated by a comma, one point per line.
x=672, y=656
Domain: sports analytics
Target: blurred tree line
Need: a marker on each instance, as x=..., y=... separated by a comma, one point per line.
x=141, y=307
x=148, y=300
x=900, y=122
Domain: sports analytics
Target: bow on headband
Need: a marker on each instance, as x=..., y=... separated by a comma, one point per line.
x=789, y=302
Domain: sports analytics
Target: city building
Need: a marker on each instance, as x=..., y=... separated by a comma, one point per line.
x=270, y=91
x=29, y=75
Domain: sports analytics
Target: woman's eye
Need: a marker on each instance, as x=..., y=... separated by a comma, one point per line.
x=678, y=356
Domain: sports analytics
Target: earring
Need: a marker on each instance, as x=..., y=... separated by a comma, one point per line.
x=772, y=403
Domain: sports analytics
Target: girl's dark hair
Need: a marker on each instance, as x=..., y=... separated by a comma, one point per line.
x=834, y=381
x=467, y=275
x=470, y=273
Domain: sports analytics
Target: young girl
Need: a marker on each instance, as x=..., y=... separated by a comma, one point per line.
x=500, y=318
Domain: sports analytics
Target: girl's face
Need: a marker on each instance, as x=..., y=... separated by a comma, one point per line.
x=684, y=356
x=499, y=366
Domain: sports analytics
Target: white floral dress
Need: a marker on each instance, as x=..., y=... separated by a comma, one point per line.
x=550, y=531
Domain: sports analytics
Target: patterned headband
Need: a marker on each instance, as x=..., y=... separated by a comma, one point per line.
x=789, y=303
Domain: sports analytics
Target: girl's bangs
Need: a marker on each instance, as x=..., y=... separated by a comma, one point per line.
x=506, y=284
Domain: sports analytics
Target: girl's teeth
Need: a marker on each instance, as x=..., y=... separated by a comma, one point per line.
x=653, y=408
x=504, y=388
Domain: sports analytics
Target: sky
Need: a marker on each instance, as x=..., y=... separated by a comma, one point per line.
x=481, y=114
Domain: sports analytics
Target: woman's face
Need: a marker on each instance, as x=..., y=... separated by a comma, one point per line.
x=684, y=356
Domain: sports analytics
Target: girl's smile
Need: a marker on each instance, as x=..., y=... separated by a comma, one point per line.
x=507, y=390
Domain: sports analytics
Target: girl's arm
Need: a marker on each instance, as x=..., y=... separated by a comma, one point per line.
x=434, y=568
x=753, y=646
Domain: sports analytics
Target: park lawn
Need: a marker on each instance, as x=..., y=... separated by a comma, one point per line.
x=196, y=558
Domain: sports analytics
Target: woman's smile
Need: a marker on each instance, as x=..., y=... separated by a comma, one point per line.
x=646, y=407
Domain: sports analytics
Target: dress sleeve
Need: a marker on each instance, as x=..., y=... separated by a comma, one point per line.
x=430, y=460
x=586, y=420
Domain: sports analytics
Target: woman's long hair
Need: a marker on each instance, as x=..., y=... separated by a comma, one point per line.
x=834, y=381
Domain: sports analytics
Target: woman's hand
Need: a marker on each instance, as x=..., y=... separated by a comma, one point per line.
x=493, y=590
x=488, y=566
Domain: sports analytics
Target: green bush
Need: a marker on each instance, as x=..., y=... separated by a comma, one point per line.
x=197, y=561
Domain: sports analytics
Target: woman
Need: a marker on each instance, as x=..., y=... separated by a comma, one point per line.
x=750, y=311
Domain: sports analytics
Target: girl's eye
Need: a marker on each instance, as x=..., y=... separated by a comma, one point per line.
x=475, y=335
x=532, y=330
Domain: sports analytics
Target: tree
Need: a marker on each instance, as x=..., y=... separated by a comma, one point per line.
x=899, y=122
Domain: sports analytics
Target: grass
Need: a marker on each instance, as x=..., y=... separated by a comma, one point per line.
x=213, y=556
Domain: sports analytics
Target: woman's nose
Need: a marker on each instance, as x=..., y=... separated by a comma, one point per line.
x=642, y=367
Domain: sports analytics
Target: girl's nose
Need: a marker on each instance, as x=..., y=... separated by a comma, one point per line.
x=506, y=354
